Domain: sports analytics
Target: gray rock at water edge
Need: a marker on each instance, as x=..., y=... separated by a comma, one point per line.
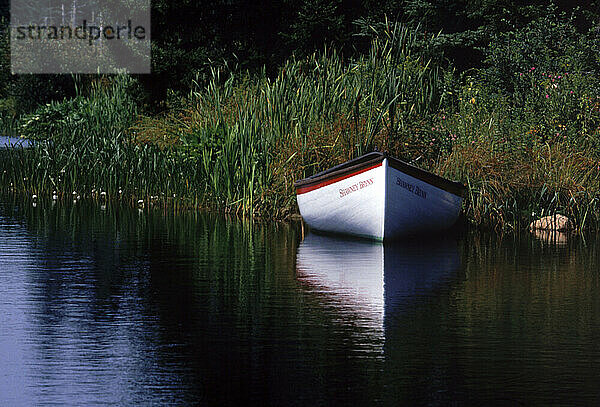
x=552, y=222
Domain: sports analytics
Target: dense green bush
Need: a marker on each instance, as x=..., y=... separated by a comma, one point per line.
x=109, y=106
x=86, y=146
x=550, y=44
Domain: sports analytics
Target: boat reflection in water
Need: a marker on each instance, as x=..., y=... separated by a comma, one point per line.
x=371, y=281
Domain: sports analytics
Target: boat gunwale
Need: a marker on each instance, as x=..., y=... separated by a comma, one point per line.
x=336, y=176
x=453, y=187
x=343, y=168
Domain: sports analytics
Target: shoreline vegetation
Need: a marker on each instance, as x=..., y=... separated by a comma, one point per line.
x=523, y=133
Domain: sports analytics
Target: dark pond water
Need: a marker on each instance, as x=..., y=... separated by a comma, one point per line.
x=13, y=141
x=127, y=307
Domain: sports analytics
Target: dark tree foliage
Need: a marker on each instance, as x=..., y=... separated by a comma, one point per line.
x=4, y=57
x=468, y=26
x=548, y=44
x=190, y=37
x=26, y=92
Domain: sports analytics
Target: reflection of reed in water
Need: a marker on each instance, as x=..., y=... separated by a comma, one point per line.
x=371, y=279
x=553, y=237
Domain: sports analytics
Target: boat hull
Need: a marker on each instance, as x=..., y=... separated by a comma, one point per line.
x=413, y=206
x=382, y=200
x=352, y=204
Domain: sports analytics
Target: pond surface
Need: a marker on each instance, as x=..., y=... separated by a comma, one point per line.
x=13, y=141
x=119, y=306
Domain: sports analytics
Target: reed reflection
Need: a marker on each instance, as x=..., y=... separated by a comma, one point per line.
x=552, y=237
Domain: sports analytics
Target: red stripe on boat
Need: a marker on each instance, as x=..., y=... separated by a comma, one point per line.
x=308, y=188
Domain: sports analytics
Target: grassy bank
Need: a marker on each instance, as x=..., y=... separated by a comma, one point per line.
x=238, y=143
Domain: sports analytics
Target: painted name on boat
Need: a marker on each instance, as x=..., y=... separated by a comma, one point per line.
x=412, y=188
x=355, y=187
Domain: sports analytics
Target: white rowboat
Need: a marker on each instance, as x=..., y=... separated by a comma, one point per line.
x=378, y=197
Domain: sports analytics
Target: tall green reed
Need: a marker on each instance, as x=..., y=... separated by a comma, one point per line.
x=246, y=132
x=84, y=146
